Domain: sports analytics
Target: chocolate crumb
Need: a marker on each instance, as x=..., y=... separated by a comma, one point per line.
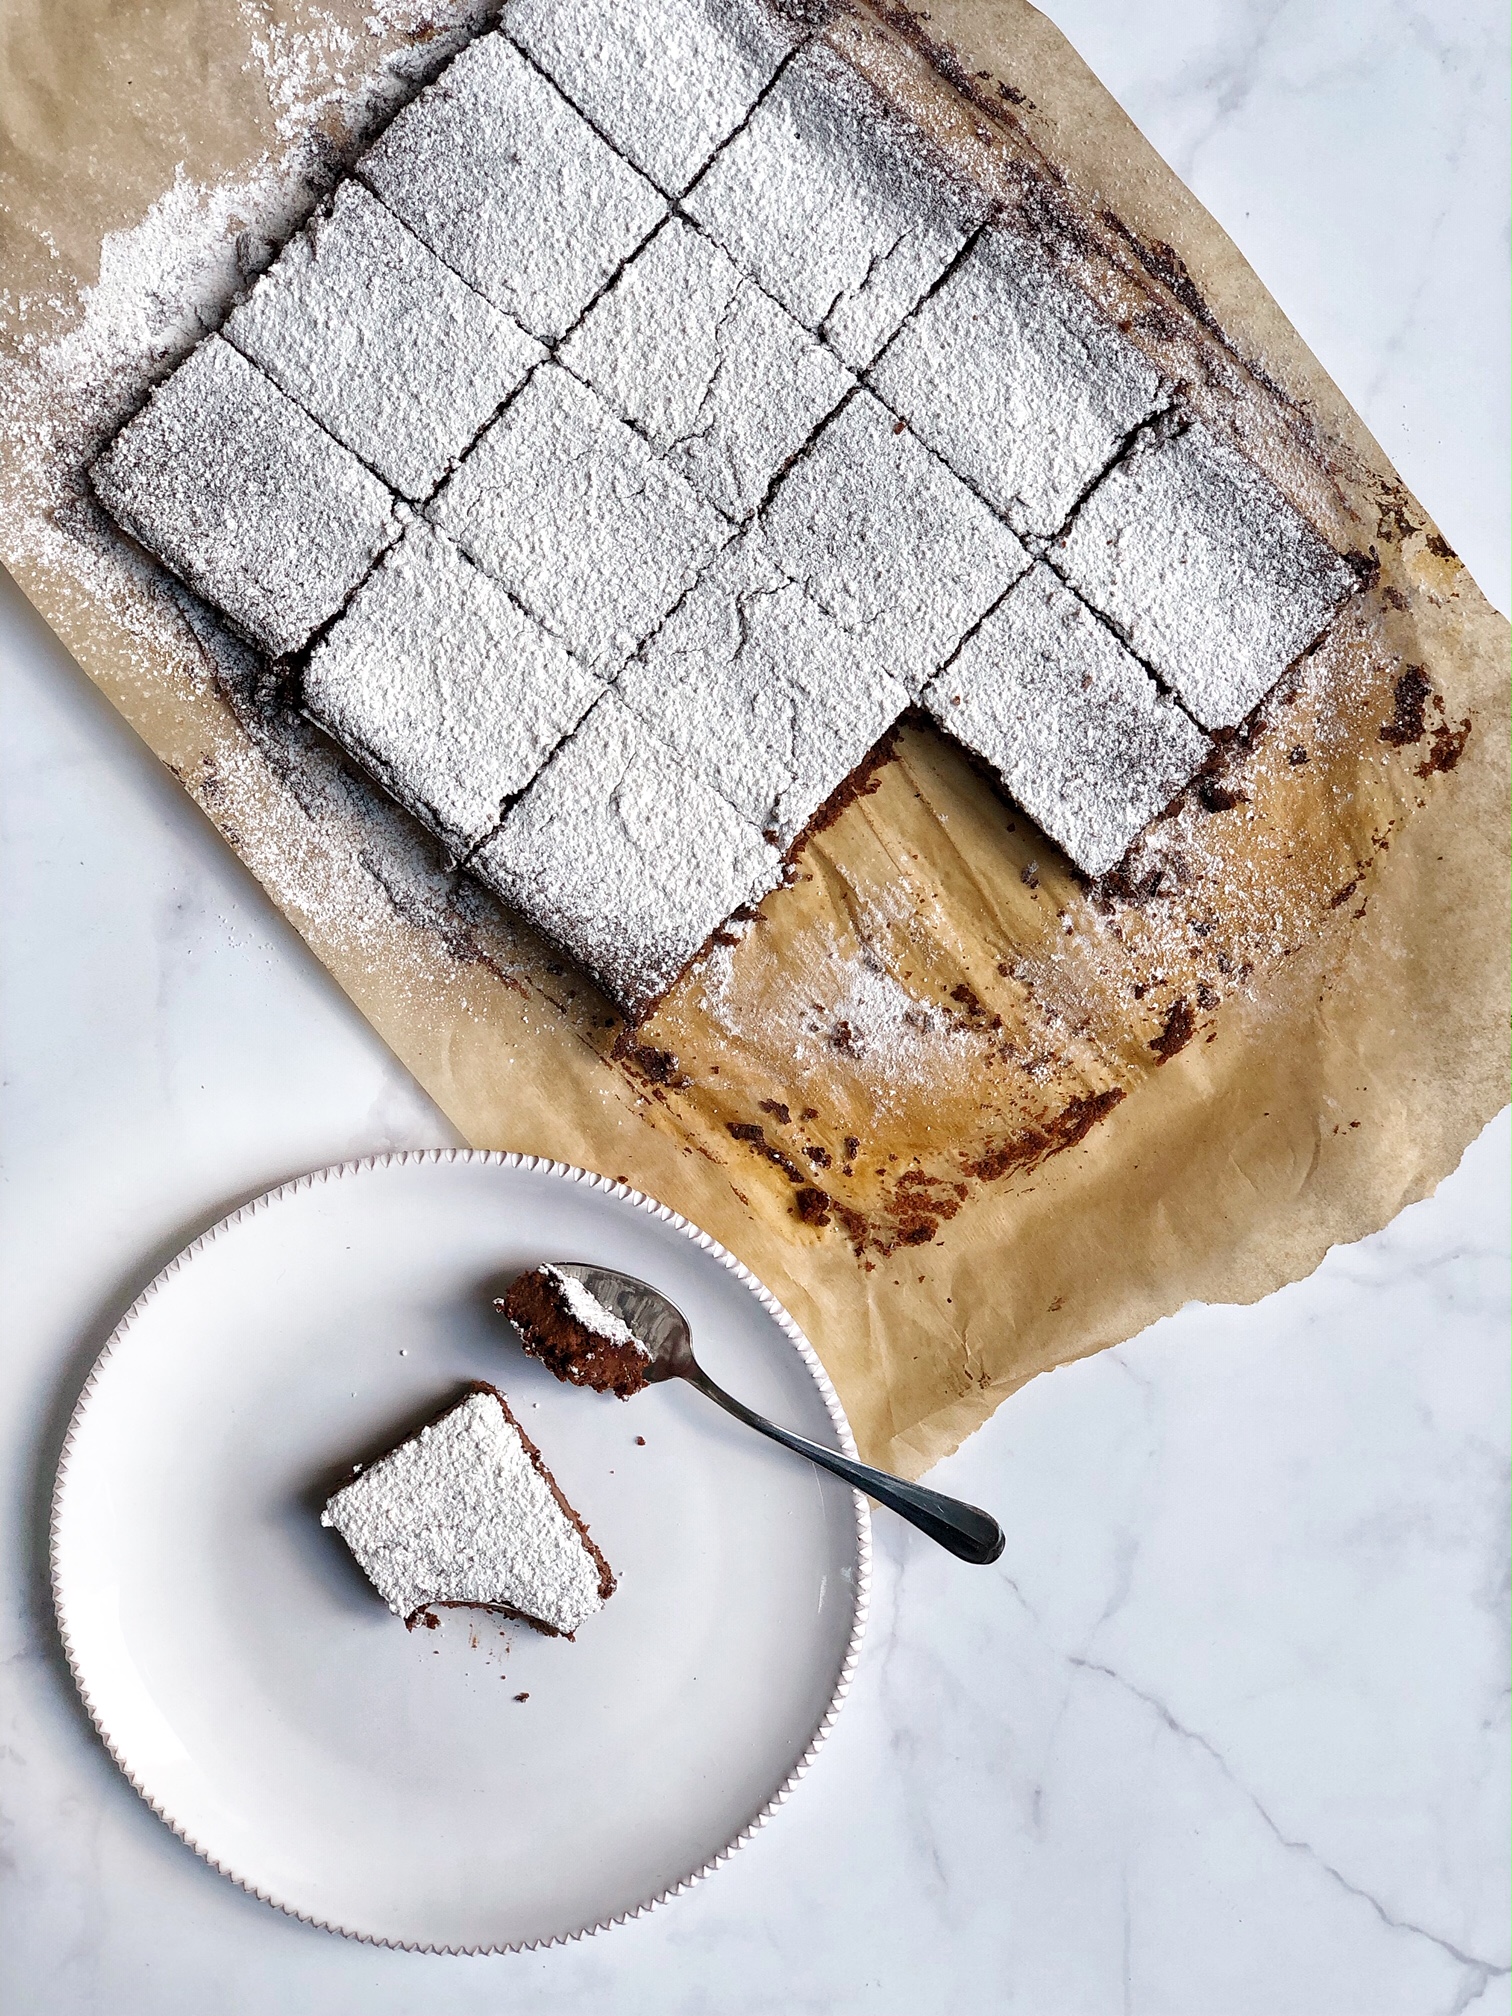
x=1176, y=1031
x=811, y=1205
x=640, y=1441
x=1445, y=750
x=1214, y=796
x=1409, y=698
x=522, y=1697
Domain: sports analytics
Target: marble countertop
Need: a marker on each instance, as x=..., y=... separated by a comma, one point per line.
x=1225, y=1732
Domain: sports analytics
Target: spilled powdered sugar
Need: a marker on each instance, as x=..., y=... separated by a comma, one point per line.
x=866, y=1015
x=591, y=1313
x=82, y=363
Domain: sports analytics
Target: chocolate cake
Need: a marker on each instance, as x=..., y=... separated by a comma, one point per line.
x=1012, y=376
x=1203, y=567
x=890, y=541
x=503, y=179
x=823, y=197
x=738, y=422
x=573, y=1334
x=665, y=81
x=718, y=377
x=761, y=693
x=1053, y=739
x=465, y=1514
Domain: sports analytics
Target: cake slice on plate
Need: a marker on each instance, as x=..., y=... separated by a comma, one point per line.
x=466, y=1514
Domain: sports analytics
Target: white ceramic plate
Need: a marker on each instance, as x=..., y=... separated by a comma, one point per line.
x=387, y=1784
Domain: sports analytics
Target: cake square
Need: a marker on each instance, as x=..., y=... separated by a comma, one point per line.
x=665, y=81
x=1200, y=562
x=1012, y=375
x=380, y=342
x=693, y=353
x=629, y=863
x=889, y=541
x=1075, y=727
x=444, y=689
x=241, y=494
x=509, y=185
x=833, y=206
x=465, y=1514
x=568, y=507
x=760, y=693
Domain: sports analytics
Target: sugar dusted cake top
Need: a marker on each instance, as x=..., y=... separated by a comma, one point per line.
x=466, y=1512
x=623, y=858
x=1094, y=756
x=511, y=186
x=748, y=424
x=362, y=325
x=246, y=498
x=444, y=688
x=1203, y=566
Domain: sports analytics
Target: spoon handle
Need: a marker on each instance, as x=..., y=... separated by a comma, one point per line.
x=971, y=1534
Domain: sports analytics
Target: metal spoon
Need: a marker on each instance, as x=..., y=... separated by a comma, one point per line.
x=662, y=1329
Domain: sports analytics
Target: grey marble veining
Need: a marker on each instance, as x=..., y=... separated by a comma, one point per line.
x=1225, y=1731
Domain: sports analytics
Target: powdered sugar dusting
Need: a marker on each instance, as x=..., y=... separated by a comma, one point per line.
x=856, y=1006
x=461, y=1514
x=591, y=1313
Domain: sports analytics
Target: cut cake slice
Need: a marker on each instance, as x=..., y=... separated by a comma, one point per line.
x=444, y=689
x=760, y=692
x=624, y=858
x=1214, y=579
x=566, y=1326
x=245, y=498
x=711, y=370
x=665, y=81
x=1011, y=374
x=465, y=1514
x=1076, y=728
x=512, y=187
x=566, y=505
x=889, y=541
x=833, y=205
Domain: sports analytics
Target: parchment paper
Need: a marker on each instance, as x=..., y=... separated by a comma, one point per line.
x=967, y=1117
